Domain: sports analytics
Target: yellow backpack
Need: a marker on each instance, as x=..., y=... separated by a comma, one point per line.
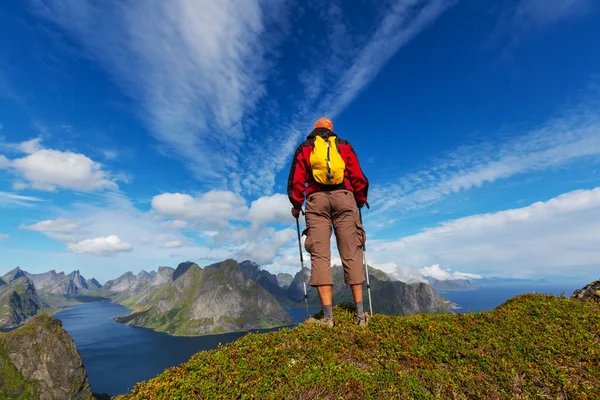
x=326, y=162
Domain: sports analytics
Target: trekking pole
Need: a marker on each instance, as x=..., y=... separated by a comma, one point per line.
x=364, y=248
x=302, y=266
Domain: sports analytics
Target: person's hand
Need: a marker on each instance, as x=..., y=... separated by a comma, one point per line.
x=296, y=212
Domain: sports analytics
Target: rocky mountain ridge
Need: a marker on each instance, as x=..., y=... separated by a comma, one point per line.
x=195, y=301
x=389, y=296
x=19, y=301
x=23, y=294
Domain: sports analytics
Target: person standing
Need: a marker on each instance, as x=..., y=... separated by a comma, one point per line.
x=325, y=171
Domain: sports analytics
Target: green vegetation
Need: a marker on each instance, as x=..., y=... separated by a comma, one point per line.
x=12, y=383
x=533, y=346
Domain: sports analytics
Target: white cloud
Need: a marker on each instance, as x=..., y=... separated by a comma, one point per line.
x=214, y=207
x=59, y=225
x=541, y=239
x=30, y=146
x=174, y=224
x=264, y=251
x=559, y=142
x=445, y=274
x=47, y=169
x=100, y=245
x=4, y=236
x=173, y=244
x=4, y=162
x=270, y=209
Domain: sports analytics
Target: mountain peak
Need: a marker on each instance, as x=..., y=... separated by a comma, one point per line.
x=13, y=274
x=182, y=269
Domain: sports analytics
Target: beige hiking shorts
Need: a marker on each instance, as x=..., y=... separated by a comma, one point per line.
x=336, y=209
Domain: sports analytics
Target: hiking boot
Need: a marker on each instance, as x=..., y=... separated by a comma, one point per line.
x=324, y=321
x=362, y=320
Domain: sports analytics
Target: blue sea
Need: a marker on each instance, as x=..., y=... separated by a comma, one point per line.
x=117, y=356
x=490, y=297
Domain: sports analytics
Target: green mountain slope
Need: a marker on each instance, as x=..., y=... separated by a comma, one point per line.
x=195, y=301
x=19, y=301
x=39, y=361
x=533, y=346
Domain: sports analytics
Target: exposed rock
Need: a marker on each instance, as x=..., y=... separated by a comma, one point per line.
x=40, y=361
x=389, y=297
x=399, y=298
x=19, y=301
x=13, y=274
x=295, y=290
x=182, y=269
x=93, y=284
x=79, y=282
x=202, y=301
x=264, y=278
x=590, y=292
x=164, y=275
x=284, y=280
x=122, y=283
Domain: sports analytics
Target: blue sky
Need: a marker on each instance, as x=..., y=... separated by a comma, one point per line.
x=139, y=134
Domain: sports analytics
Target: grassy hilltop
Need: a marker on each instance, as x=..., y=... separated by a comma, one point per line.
x=533, y=346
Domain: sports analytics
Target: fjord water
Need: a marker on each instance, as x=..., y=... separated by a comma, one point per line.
x=117, y=356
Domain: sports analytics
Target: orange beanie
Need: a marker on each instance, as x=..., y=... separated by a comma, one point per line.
x=324, y=123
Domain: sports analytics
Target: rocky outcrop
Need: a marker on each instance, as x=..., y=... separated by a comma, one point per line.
x=93, y=284
x=19, y=301
x=389, y=297
x=284, y=280
x=200, y=301
x=13, y=274
x=40, y=361
x=264, y=278
x=590, y=292
x=122, y=283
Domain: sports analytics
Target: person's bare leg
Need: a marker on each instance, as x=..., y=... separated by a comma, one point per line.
x=325, y=294
x=357, y=292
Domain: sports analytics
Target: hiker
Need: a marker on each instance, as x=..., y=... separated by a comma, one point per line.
x=326, y=171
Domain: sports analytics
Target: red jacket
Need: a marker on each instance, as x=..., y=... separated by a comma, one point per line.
x=301, y=182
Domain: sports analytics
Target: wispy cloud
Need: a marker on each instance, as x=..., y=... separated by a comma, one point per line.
x=544, y=238
x=560, y=141
x=4, y=236
x=197, y=68
x=200, y=71
x=60, y=225
x=541, y=13
x=346, y=66
x=531, y=16
x=7, y=198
